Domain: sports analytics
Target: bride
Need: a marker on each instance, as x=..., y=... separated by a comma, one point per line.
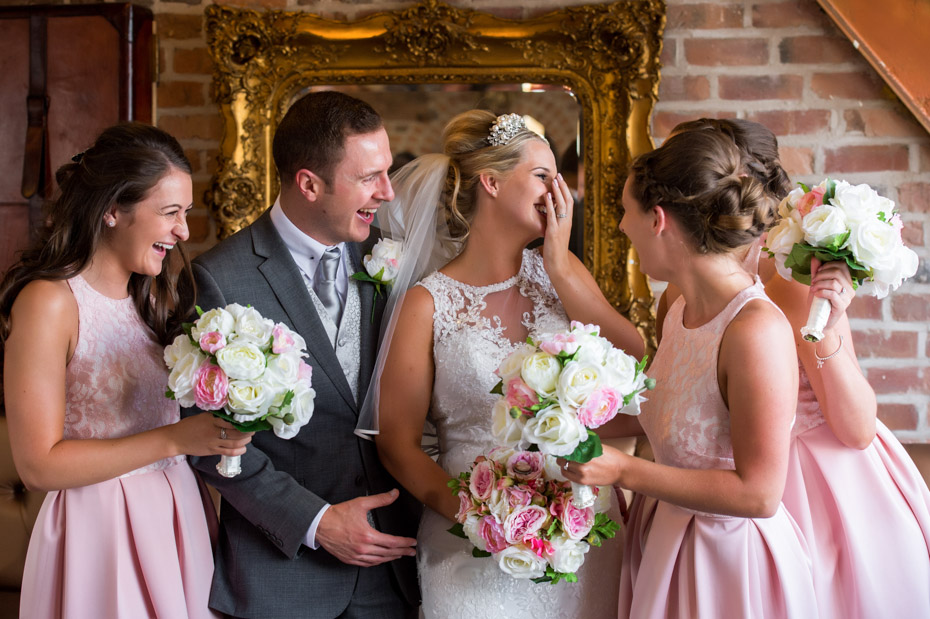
x=471, y=212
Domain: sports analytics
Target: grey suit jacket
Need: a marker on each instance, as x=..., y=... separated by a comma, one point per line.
x=262, y=568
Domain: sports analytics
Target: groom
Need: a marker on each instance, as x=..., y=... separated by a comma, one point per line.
x=314, y=526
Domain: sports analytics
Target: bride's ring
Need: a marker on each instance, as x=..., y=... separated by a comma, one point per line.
x=223, y=434
x=843, y=290
x=562, y=215
x=565, y=466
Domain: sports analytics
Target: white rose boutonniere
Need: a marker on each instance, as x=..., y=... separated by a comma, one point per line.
x=381, y=266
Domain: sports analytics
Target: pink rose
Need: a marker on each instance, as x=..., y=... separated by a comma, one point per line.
x=520, y=395
x=576, y=522
x=810, y=200
x=281, y=341
x=526, y=465
x=210, y=387
x=560, y=342
x=600, y=407
x=519, y=496
x=212, y=341
x=305, y=372
x=490, y=530
x=482, y=480
x=523, y=523
x=466, y=505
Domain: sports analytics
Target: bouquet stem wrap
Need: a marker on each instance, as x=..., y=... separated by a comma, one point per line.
x=816, y=320
x=229, y=466
x=582, y=495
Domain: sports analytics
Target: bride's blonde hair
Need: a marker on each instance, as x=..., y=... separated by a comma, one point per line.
x=465, y=142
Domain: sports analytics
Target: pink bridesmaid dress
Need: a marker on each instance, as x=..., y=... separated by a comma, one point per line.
x=865, y=515
x=686, y=564
x=138, y=545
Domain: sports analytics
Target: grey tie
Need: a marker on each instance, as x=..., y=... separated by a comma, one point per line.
x=326, y=284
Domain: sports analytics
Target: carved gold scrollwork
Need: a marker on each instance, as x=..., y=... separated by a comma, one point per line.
x=607, y=54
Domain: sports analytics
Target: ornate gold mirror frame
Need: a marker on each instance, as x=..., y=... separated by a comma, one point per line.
x=607, y=54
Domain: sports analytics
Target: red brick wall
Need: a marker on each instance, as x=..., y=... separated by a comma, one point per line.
x=775, y=61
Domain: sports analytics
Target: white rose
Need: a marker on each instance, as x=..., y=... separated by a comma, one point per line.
x=178, y=349
x=217, y=319
x=567, y=554
x=902, y=266
x=873, y=242
x=510, y=367
x=283, y=369
x=251, y=327
x=386, y=254
x=824, y=223
x=504, y=427
x=249, y=399
x=520, y=562
x=501, y=454
x=241, y=361
x=182, y=377
x=790, y=202
x=557, y=432
x=540, y=371
x=860, y=203
x=620, y=371
x=498, y=505
x=782, y=238
x=576, y=382
x=287, y=424
x=470, y=527
x=593, y=349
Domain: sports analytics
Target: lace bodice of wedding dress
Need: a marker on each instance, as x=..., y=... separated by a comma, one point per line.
x=474, y=328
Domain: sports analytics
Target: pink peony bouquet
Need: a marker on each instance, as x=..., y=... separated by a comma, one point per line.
x=836, y=221
x=516, y=507
x=245, y=368
x=555, y=391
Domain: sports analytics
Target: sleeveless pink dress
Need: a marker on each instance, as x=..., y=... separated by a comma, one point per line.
x=138, y=545
x=685, y=564
x=866, y=516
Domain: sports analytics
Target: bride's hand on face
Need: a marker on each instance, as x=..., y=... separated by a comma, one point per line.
x=831, y=281
x=559, y=206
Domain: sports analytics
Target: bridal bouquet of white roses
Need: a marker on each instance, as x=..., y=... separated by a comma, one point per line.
x=554, y=391
x=245, y=368
x=516, y=507
x=836, y=221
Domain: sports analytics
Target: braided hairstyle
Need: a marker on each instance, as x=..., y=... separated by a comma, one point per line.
x=121, y=168
x=698, y=177
x=758, y=146
x=465, y=141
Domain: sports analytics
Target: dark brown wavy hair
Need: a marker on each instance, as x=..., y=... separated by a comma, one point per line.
x=120, y=168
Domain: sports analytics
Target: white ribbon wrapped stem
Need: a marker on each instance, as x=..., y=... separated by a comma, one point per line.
x=582, y=495
x=229, y=466
x=816, y=320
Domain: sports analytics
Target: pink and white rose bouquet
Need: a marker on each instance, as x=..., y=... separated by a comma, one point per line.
x=556, y=390
x=836, y=221
x=516, y=507
x=245, y=368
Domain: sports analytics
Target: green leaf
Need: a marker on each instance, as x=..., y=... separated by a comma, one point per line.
x=588, y=449
x=186, y=327
x=458, y=530
x=362, y=276
x=804, y=187
x=200, y=312
x=251, y=426
x=169, y=394
x=498, y=388
x=830, y=192
x=479, y=554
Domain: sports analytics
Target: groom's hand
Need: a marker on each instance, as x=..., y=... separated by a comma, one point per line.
x=345, y=533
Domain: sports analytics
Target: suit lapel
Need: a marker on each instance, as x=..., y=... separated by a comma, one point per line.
x=368, y=341
x=287, y=282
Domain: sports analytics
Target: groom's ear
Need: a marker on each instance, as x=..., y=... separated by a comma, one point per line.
x=310, y=186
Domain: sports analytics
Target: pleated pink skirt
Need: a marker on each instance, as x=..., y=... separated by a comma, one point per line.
x=866, y=516
x=134, y=546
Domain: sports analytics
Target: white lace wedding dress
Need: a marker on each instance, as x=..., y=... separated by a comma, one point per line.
x=474, y=328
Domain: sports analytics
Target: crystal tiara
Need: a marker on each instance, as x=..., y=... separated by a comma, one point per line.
x=505, y=128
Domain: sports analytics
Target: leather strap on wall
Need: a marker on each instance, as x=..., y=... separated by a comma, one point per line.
x=36, y=160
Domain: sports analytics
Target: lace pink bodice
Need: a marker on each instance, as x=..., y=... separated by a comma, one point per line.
x=685, y=418
x=116, y=379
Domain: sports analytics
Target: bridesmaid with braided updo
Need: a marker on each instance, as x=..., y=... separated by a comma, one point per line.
x=711, y=537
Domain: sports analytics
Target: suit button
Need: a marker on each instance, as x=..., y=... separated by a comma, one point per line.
x=358, y=480
x=341, y=343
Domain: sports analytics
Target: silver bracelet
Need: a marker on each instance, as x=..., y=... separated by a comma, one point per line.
x=820, y=359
